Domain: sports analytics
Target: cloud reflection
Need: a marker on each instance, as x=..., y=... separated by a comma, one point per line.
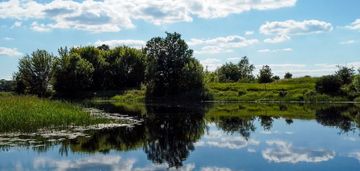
x=221, y=140
x=284, y=152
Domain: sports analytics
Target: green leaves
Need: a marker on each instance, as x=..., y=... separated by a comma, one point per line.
x=35, y=73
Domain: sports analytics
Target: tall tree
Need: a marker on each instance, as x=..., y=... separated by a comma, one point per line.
x=126, y=68
x=265, y=75
x=246, y=69
x=72, y=73
x=171, y=66
x=35, y=72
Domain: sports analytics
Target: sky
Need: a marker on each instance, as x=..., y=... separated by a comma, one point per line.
x=304, y=37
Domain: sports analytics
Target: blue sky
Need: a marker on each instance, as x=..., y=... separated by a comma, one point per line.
x=305, y=37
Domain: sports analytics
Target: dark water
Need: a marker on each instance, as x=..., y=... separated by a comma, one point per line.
x=207, y=137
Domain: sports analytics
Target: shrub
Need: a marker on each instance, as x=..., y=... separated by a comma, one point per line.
x=288, y=75
x=345, y=74
x=329, y=84
x=265, y=75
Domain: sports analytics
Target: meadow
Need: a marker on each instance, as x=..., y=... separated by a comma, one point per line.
x=285, y=90
x=30, y=113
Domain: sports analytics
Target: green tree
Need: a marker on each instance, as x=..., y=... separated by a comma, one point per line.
x=356, y=83
x=126, y=68
x=171, y=68
x=276, y=78
x=345, y=74
x=288, y=75
x=72, y=73
x=35, y=73
x=97, y=58
x=329, y=84
x=229, y=72
x=265, y=75
x=246, y=69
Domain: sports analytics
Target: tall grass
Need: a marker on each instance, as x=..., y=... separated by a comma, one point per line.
x=29, y=113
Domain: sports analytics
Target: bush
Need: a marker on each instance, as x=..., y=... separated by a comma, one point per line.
x=288, y=75
x=345, y=74
x=265, y=75
x=276, y=78
x=329, y=84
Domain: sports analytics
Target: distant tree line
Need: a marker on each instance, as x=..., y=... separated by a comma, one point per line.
x=243, y=72
x=166, y=67
x=344, y=82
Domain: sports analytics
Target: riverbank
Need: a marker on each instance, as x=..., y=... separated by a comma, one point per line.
x=287, y=90
x=30, y=113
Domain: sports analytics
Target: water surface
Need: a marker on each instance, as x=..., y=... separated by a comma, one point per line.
x=201, y=137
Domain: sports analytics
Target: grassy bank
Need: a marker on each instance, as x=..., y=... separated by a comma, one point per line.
x=296, y=89
x=29, y=113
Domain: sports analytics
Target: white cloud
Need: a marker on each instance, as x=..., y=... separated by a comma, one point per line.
x=275, y=50
x=215, y=169
x=355, y=155
x=8, y=38
x=11, y=52
x=348, y=42
x=113, y=43
x=114, y=15
x=221, y=44
x=354, y=25
x=17, y=24
x=101, y=162
x=248, y=33
x=211, y=63
x=283, y=152
x=283, y=30
x=220, y=140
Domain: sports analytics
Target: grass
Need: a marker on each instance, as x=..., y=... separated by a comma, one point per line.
x=296, y=89
x=29, y=113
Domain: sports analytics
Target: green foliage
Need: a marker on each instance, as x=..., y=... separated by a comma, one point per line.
x=265, y=75
x=35, y=73
x=288, y=75
x=98, y=60
x=29, y=113
x=329, y=84
x=233, y=73
x=229, y=72
x=356, y=83
x=126, y=68
x=276, y=78
x=6, y=85
x=72, y=73
x=345, y=74
x=171, y=69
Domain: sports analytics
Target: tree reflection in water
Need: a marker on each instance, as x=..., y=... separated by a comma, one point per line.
x=169, y=132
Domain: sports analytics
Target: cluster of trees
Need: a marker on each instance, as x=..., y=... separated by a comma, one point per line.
x=80, y=69
x=166, y=66
x=345, y=81
x=243, y=72
x=6, y=85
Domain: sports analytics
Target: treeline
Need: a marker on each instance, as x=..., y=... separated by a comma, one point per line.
x=345, y=82
x=243, y=72
x=166, y=67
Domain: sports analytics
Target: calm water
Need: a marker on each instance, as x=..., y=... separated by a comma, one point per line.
x=211, y=137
